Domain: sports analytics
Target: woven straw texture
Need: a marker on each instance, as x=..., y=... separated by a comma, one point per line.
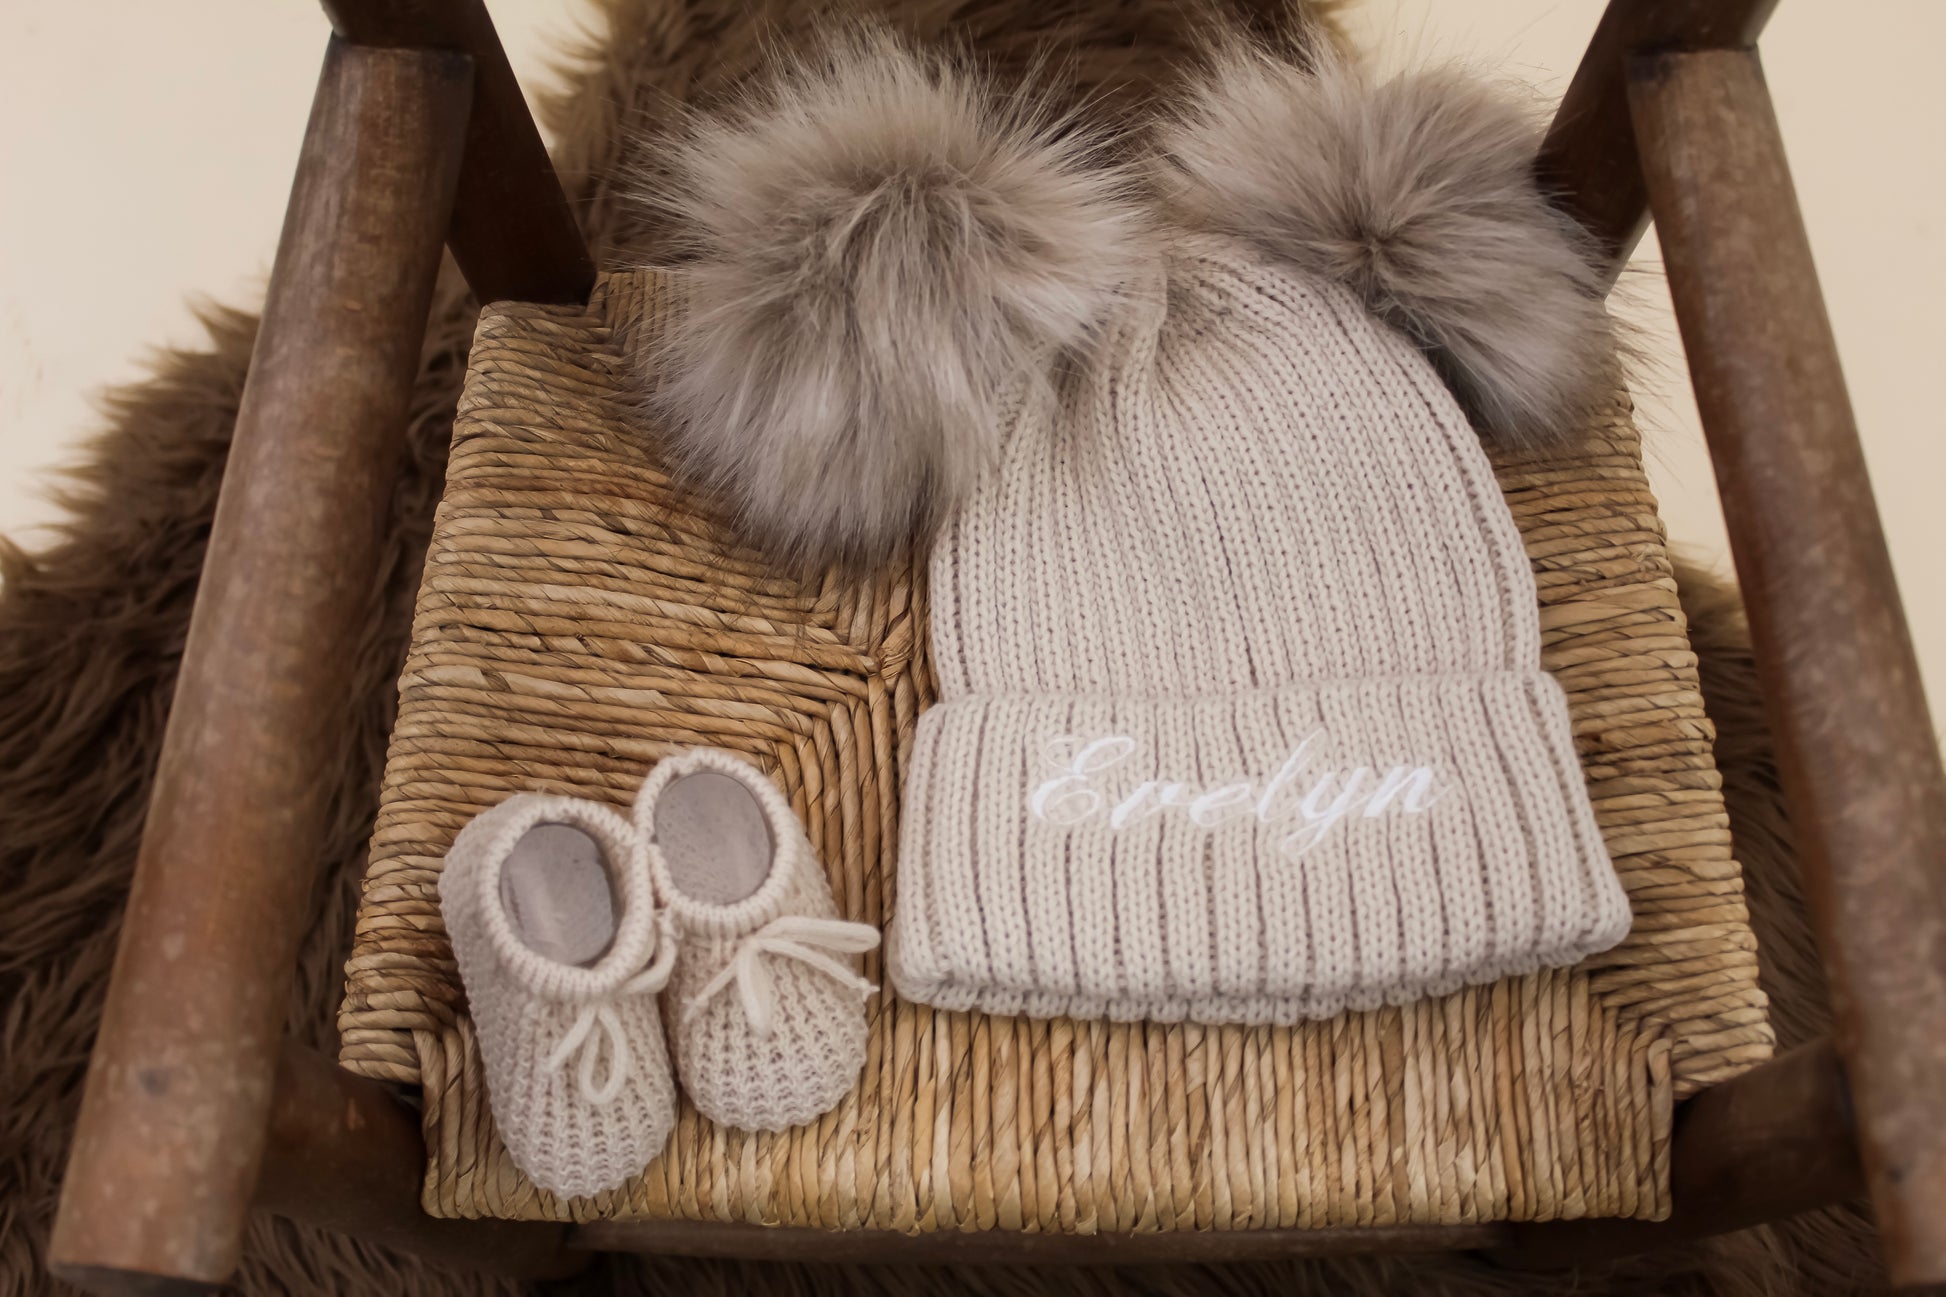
x=579, y=619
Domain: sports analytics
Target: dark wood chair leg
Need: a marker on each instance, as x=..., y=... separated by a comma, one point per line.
x=180, y=1090
x=343, y=1153
x=1861, y=759
x=1588, y=160
x=1773, y=1142
x=512, y=232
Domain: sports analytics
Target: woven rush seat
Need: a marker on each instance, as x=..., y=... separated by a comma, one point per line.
x=580, y=618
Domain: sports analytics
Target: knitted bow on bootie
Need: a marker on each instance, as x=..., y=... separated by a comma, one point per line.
x=790, y=936
x=599, y=1020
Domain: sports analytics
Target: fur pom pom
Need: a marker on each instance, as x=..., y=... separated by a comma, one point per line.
x=878, y=255
x=1419, y=196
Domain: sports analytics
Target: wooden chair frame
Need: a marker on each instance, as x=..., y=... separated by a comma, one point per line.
x=195, y=1108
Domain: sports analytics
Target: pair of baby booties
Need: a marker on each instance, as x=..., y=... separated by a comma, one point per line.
x=594, y=946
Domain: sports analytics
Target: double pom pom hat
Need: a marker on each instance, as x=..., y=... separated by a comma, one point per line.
x=1241, y=714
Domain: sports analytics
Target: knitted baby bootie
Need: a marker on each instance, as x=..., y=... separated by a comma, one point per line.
x=549, y=906
x=764, y=1008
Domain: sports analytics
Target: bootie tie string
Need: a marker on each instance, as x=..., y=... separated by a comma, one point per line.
x=811, y=941
x=598, y=1021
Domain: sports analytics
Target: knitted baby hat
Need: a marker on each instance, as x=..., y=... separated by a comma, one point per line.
x=1241, y=714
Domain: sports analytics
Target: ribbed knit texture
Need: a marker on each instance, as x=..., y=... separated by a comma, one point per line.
x=1241, y=711
x=781, y=949
x=551, y=1032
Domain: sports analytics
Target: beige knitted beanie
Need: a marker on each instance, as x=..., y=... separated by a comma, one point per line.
x=1241, y=714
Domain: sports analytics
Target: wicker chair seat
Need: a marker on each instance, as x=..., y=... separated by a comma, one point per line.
x=580, y=618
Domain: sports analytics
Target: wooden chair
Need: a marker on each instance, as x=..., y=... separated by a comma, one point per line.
x=195, y=1110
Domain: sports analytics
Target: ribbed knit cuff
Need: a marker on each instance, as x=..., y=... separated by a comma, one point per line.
x=1257, y=857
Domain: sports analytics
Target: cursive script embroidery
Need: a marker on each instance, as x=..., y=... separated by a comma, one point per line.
x=1315, y=802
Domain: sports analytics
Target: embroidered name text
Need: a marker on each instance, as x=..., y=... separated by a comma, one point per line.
x=1313, y=802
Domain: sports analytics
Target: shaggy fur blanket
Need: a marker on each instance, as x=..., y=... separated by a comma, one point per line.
x=92, y=627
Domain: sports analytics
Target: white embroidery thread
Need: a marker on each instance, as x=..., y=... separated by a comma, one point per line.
x=1076, y=794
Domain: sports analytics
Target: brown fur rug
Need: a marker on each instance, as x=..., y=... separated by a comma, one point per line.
x=91, y=630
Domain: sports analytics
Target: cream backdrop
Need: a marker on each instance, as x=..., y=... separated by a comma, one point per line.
x=145, y=151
